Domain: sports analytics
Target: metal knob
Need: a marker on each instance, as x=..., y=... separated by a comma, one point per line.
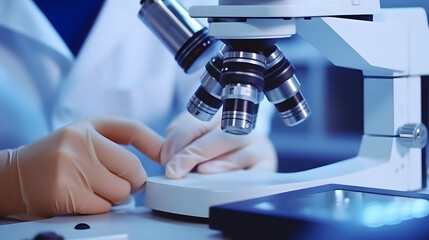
x=413, y=135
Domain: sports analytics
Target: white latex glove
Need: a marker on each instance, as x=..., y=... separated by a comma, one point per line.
x=191, y=142
x=77, y=169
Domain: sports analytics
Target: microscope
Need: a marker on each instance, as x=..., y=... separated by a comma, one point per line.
x=244, y=65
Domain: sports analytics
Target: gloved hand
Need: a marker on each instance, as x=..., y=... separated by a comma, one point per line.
x=191, y=142
x=77, y=169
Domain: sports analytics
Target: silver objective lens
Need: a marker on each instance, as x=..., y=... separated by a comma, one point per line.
x=243, y=81
x=183, y=36
x=282, y=88
x=206, y=101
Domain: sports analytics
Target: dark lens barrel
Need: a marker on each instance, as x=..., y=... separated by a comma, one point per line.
x=203, y=105
x=255, y=115
x=183, y=36
x=206, y=101
x=243, y=67
x=242, y=78
x=293, y=110
x=238, y=116
x=190, y=55
x=214, y=66
x=282, y=88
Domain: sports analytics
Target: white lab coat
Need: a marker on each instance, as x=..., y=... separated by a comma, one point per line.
x=121, y=70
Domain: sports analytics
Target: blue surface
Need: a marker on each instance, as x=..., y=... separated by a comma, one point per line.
x=326, y=212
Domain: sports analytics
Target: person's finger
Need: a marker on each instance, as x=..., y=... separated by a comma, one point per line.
x=82, y=169
x=91, y=204
x=212, y=145
x=217, y=166
x=75, y=197
x=249, y=157
x=267, y=158
x=110, y=187
x=119, y=161
x=129, y=132
x=232, y=161
x=182, y=131
x=267, y=166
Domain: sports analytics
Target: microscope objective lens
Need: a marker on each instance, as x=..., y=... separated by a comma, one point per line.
x=238, y=80
x=242, y=78
x=282, y=88
x=203, y=105
x=206, y=101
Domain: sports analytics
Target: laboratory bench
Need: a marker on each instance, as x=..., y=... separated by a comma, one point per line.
x=125, y=222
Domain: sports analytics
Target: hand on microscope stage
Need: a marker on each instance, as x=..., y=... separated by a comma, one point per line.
x=191, y=142
x=77, y=169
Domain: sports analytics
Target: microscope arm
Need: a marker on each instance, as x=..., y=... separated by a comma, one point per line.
x=393, y=44
x=391, y=52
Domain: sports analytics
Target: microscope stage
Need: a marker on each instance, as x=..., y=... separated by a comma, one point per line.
x=195, y=193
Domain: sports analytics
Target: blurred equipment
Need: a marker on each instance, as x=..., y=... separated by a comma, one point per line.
x=388, y=45
x=328, y=212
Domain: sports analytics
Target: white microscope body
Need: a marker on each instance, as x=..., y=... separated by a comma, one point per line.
x=391, y=50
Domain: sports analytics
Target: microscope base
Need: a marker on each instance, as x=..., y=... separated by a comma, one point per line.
x=380, y=164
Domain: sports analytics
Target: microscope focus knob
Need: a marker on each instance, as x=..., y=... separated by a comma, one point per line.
x=413, y=135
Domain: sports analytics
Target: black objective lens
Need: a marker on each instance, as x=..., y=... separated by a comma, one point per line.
x=206, y=101
x=282, y=88
x=243, y=81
